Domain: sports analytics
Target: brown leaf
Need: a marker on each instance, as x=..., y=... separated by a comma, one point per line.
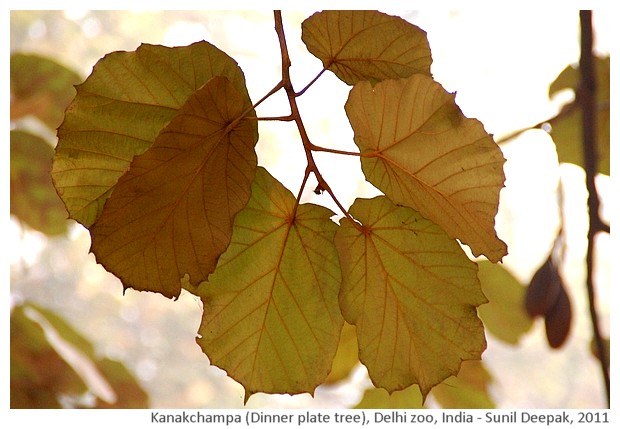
x=422, y=152
x=171, y=214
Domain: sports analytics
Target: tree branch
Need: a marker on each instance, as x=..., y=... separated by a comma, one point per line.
x=292, y=99
x=586, y=97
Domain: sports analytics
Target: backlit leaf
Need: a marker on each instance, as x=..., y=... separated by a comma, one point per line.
x=418, y=148
x=40, y=87
x=171, y=214
x=366, y=45
x=504, y=315
x=33, y=198
x=346, y=358
x=375, y=398
x=271, y=318
x=119, y=111
x=468, y=390
x=412, y=294
x=566, y=130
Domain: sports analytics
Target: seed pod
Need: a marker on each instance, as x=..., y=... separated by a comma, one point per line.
x=558, y=320
x=543, y=290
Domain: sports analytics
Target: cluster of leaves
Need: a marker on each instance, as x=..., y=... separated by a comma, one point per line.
x=156, y=158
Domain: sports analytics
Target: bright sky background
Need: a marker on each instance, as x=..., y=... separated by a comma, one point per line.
x=500, y=62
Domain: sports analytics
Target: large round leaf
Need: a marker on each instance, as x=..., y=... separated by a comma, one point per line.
x=411, y=293
x=271, y=318
x=119, y=111
x=171, y=214
x=366, y=45
x=418, y=148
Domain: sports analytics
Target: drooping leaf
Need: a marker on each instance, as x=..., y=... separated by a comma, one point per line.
x=366, y=45
x=271, y=318
x=171, y=214
x=40, y=87
x=346, y=358
x=468, y=390
x=418, y=148
x=504, y=315
x=412, y=294
x=566, y=130
x=119, y=111
x=376, y=398
x=33, y=198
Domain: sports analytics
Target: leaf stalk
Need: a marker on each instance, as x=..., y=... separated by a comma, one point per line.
x=307, y=144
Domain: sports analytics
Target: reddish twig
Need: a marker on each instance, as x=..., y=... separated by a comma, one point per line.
x=292, y=99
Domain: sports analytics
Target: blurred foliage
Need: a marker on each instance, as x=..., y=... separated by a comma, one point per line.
x=470, y=389
x=504, y=315
x=377, y=398
x=41, y=375
x=346, y=358
x=33, y=197
x=40, y=88
x=566, y=127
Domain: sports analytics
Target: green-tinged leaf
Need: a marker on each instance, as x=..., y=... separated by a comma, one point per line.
x=418, y=148
x=271, y=318
x=504, y=315
x=40, y=87
x=346, y=358
x=376, y=398
x=120, y=110
x=171, y=214
x=468, y=390
x=566, y=129
x=366, y=45
x=412, y=294
x=33, y=197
